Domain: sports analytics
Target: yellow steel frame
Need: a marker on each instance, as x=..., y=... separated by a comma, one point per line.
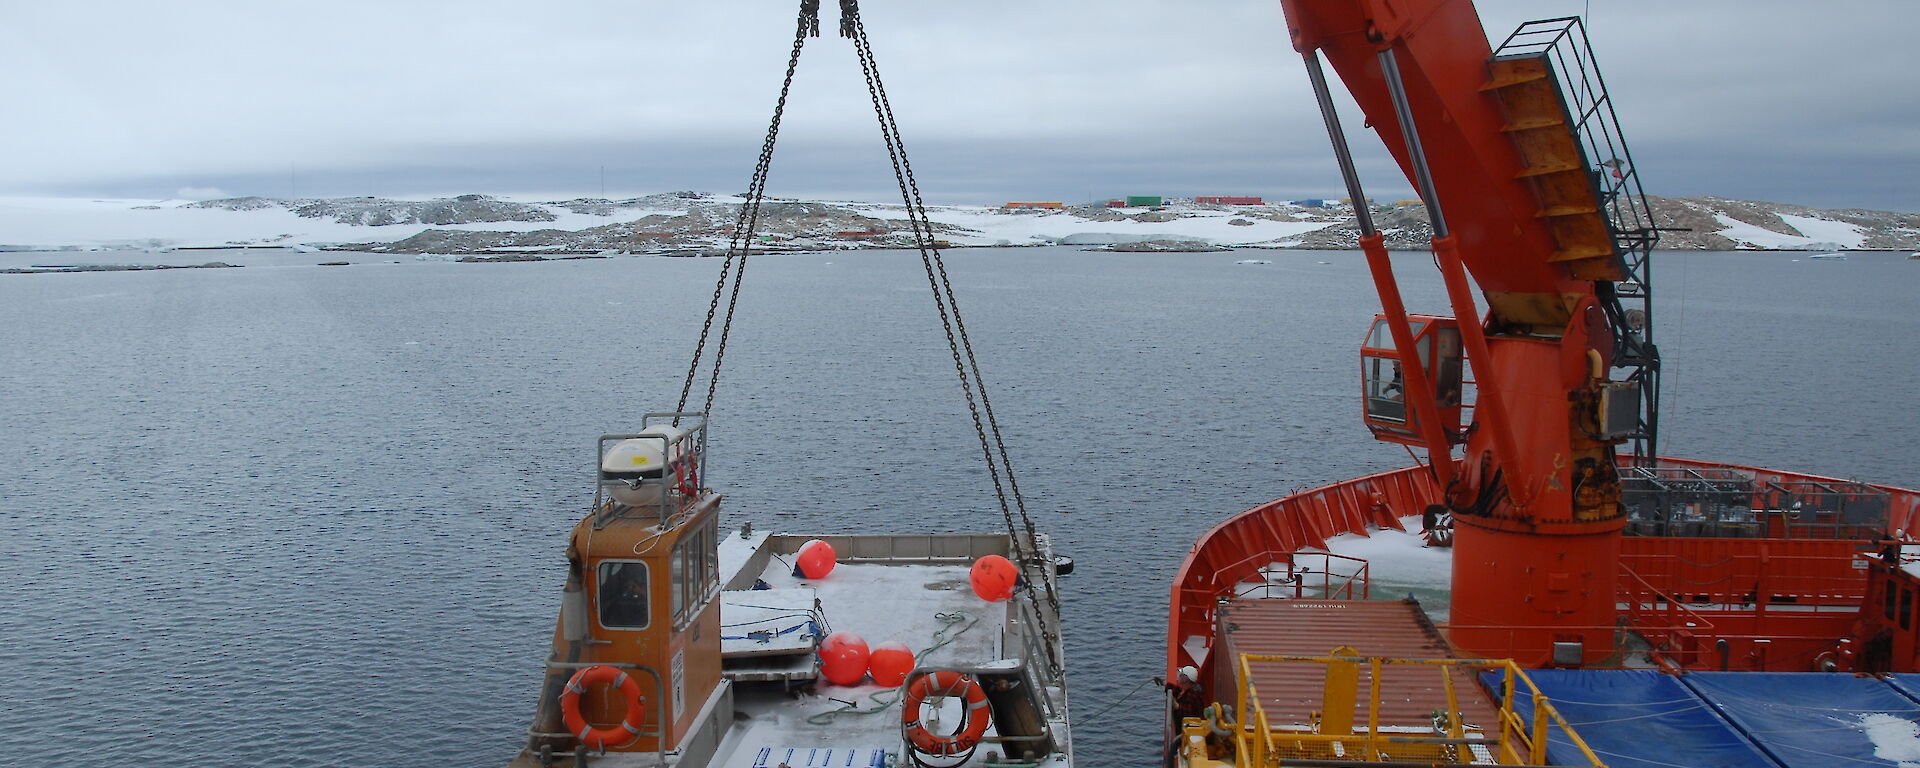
x=1258, y=743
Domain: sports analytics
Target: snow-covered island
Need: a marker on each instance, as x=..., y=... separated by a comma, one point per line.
x=691, y=223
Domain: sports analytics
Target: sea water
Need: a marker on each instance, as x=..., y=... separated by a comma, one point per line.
x=296, y=515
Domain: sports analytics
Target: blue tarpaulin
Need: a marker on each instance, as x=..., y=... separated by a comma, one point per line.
x=1634, y=718
x=1816, y=720
x=1907, y=684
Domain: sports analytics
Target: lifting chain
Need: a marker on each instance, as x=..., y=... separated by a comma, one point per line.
x=994, y=449
x=972, y=384
x=735, y=266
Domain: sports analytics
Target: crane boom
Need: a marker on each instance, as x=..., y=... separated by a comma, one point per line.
x=1521, y=206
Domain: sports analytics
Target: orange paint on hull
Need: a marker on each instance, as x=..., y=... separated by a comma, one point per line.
x=1798, y=570
x=1513, y=598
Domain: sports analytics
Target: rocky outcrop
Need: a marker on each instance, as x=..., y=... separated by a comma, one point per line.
x=378, y=212
x=236, y=204
x=1405, y=227
x=705, y=227
x=693, y=222
x=1700, y=216
x=597, y=206
x=116, y=268
x=465, y=209
x=1685, y=223
x=1162, y=246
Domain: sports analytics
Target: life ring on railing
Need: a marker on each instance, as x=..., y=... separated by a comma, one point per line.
x=612, y=736
x=945, y=682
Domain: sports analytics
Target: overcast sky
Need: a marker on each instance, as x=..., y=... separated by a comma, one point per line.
x=1812, y=103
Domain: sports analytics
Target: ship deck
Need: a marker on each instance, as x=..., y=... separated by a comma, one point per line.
x=910, y=589
x=1291, y=694
x=913, y=589
x=800, y=723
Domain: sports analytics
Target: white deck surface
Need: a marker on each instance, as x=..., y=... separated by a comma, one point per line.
x=879, y=603
x=767, y=622
x=736, y=550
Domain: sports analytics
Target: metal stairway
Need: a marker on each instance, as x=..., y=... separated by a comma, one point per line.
x=1562, y=122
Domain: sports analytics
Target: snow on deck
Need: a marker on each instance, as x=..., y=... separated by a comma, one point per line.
x=1400, y=563
x=904, y=602
x=736, y=550
x=1895, y=739
x=1399, y=558
x=913, y=604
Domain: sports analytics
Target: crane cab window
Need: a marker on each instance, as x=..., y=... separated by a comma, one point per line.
x=1436, y=346
x=623, y=595
x=1380, y=336
x=1385, y=390
x=1382, y=382
x=1449, y=369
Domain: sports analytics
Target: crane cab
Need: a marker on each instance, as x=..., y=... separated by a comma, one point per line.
x=1383, y=385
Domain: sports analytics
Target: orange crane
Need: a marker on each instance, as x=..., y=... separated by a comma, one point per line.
x=1532, y=196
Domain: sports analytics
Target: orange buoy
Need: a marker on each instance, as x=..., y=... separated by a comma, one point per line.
x=993, y=577
x=839, y=639
x=844, y=664
x=612, y=736
x=815, y=560
x=973, y=723
x=889, y=663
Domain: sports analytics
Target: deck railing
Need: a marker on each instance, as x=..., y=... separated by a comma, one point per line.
x=1451, y=740
x=1317, y=575
x=680, y=481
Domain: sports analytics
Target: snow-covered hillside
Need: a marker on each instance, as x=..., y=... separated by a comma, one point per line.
x=693, y=223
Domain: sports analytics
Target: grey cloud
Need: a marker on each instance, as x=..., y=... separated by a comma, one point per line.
x=998, y=99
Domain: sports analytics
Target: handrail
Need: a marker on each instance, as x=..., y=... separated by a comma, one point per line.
x=1327, y=589
x=1028, y=657
x=1621, y=199
x=1516, y=741
x=1674, y=607
x=682, y=476
x=658, y=732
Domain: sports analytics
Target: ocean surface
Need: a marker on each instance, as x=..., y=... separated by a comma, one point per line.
x=295, y=516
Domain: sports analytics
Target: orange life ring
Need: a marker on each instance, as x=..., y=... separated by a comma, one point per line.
x=613, y=736
x=944, y=682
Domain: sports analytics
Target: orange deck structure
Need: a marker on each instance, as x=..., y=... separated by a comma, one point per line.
x=1536, y=402
x=1802, y=595
x=1307, y=628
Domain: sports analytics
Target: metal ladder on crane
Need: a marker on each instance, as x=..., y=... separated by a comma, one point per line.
x=1563, y=124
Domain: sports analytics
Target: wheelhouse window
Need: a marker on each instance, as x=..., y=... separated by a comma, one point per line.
x=696, y=571
x=623, y=588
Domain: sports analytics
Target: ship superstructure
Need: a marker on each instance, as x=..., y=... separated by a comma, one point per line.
x=1577, y=550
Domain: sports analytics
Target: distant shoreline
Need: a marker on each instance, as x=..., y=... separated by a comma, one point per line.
x=75, y=266
x=696, y=223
